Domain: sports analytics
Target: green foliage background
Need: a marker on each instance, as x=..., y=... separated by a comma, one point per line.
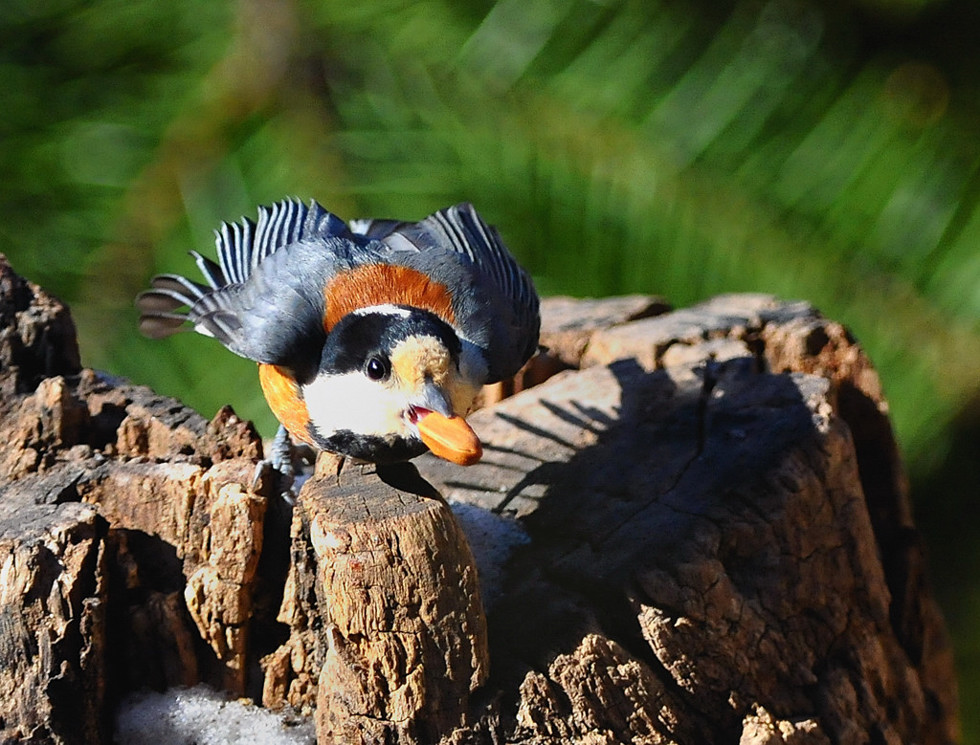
x=820, y=150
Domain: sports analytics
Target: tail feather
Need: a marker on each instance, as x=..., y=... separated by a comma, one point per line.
x=188, y=290
x=161, y=325
x=158, y=306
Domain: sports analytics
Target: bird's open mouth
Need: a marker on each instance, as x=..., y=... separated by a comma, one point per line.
x=448, y=437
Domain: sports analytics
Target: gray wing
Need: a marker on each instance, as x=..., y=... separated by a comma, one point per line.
x=264, y=297
x=495, y=300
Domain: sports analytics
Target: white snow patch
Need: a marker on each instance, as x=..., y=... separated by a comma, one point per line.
x=203, y=716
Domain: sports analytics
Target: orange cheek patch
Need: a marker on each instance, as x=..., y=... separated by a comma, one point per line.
x=379, y=284
x=282, y=394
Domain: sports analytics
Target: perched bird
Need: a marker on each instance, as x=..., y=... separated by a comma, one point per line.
x=372, y=338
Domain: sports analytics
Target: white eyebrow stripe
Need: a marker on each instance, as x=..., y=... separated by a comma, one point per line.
x=385, y=309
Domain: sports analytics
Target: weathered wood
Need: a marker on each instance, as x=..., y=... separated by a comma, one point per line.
x=703, y=535
x=117, y=503
x=703, y=565
x=37, y=336
x=567, y=324
x=385, y=580
x=184, y=524
x=52, y=621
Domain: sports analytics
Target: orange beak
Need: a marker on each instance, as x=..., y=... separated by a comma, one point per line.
x=449, y=437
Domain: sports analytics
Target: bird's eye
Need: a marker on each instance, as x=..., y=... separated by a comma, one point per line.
x=377, y=368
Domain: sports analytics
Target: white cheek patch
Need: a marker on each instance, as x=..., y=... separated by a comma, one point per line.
x=353, y=402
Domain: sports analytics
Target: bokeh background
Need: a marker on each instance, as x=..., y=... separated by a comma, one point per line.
x=825, y=150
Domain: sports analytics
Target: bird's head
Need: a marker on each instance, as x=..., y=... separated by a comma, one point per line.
x=391, y=384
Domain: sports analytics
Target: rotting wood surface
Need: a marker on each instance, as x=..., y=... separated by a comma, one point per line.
x=698, y=532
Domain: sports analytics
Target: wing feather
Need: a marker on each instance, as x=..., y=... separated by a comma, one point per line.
x=264, y=294
x=261, y=296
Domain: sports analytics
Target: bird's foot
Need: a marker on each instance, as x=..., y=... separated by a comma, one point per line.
x=281, y=471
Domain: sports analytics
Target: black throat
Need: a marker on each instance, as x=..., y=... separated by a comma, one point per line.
x=370, y=448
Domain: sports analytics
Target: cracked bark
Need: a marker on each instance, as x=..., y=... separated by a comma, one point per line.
x=400, y=634
x=714, y=544
x=113, y=501
x=717, y=519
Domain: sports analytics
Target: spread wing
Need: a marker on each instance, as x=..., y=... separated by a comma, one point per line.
x=495, y=299
x=264, y=297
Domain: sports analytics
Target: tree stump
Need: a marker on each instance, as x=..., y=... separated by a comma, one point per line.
x=129, y=547
x=697, y=532
x=400, y=638
x=52, y=621
x=720, y=541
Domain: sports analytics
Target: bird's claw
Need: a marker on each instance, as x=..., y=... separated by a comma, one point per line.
x=268, y=479
x=276, y=473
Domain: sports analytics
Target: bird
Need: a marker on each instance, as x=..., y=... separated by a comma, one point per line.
x=372, y=337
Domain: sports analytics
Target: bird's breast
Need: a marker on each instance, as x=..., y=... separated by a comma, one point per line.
x=283, y=395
